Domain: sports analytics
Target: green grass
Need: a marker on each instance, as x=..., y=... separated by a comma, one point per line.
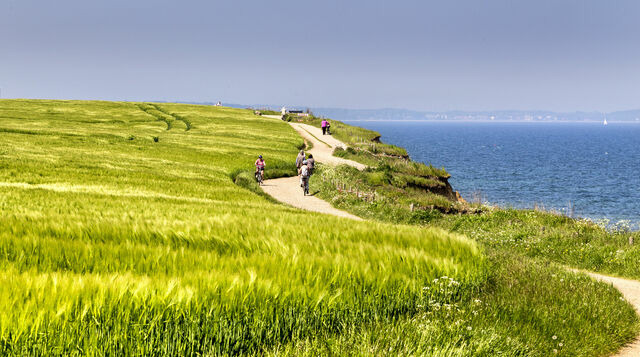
x=111, y=242
x=532, y=309
x=394, y=192
x=114, y=243
x=527, y=299
x=578, y=243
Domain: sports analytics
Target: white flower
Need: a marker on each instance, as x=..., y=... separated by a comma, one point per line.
x=469, y=328
x=560, y=344
x=554, y=337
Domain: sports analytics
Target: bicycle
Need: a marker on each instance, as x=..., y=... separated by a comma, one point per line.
x=259, y=177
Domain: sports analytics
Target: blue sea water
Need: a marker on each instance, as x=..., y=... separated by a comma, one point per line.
x=581, y=169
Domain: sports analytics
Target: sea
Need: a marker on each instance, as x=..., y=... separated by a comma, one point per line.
x=580, y=169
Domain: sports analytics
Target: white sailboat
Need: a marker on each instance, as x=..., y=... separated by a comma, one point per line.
x=605, y=121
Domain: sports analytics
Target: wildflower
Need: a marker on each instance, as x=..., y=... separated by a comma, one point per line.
x=560, y=344
x=555, y=350
x=469, y=328
x=554, y=337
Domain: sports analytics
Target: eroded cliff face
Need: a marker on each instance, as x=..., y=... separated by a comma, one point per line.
x=449, y=193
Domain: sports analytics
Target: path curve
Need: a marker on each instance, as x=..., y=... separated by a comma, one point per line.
x=630, y=289
x=323, y=146
x=288, y=190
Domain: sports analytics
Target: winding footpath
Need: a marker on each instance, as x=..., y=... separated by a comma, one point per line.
x=287, y=190
x=630, y=289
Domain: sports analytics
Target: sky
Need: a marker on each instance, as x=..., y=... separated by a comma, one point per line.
x=561, y=55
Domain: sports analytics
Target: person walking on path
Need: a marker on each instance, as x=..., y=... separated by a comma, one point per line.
x=324, y=125
x=299, y=161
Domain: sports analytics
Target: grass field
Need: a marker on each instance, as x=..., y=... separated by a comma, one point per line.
x=122, y=232
x=112, y=241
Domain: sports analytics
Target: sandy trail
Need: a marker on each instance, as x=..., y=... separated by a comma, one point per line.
x=323, y=146
x=288, y=190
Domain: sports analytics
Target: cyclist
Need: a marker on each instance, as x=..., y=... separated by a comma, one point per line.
x=304, y=177
x=299, y=161
x=260, y=166
x=311, y=164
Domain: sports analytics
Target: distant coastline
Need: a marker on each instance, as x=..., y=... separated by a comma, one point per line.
x=489, y=121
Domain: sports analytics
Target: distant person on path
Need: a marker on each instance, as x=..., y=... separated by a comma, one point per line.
x=324, y=125
x=311, y=164
x=328, y=128
x=260, y=166
x=299, y=161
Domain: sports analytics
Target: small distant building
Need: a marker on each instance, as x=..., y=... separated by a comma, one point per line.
x=219, y=104
x=299, y=113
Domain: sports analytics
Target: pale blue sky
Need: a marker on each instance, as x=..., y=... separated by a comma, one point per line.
x=425, y=55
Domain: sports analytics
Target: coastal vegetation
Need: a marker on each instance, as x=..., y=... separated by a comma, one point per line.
x=582, y=243
x=136, y=229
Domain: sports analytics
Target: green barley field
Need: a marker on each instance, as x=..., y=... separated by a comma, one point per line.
x=113, y=241
x=122, y=232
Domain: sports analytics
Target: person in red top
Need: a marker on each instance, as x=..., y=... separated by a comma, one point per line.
x=260, y=166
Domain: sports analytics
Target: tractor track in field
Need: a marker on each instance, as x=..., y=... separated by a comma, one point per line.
x=164, y=115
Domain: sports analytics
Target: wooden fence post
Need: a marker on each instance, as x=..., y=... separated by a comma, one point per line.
x=411, y=207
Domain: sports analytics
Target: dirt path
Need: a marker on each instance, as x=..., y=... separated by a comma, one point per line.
x=323, y=146
x=630, y=289
x=288, y=189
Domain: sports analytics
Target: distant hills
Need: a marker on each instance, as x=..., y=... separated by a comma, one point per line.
x=387, y=114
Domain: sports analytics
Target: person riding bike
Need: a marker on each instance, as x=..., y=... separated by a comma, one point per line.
x=305, y=173
x=311, y=164
x=260, y=166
